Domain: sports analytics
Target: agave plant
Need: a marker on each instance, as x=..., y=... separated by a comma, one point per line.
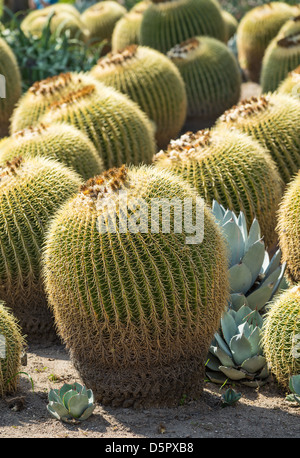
x=294, y=386
x=235, y=352
x=230, y=397
x=254, y=277
x=71, y=403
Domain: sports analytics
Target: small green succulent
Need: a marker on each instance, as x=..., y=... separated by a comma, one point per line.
x=294, y=386
x=71, y=403
x=230, y=397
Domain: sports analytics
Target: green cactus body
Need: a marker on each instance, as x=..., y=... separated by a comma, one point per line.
x=11, y=346
x=10, y=86
x=101, y=18
x=231, y=25
x=152, y=81
x=37, y=100
x=62, y=142
x=281, y=57
x=31, y=190
x=168, y=23
x=231, y=168
x=127, y=30
x=255, y=31
x=281, y=336
x=211, y=75
x=119, y=129
x=273, y=120
x=291, y=84
x=136, y=306
x=289, y=229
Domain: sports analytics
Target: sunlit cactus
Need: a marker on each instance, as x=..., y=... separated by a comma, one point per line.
x=291, y=84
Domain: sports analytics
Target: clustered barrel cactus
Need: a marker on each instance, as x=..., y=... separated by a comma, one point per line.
x=137, y=306
x=31, y=190
x=152, y=81
x=211, y=75
x=12, y=343
x=231, y=168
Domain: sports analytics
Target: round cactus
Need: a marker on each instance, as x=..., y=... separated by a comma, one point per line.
x=211, y=74
x=31, y=190
x=62, y=142
x=289, y=229
x=119, y=129
x=231, y=168
x=101, y=18
x=231, y=25
x=167, y=23
x=127, y=29
x=10, y=85
x=38, y=98
x=273, y=120
x=255, y=31
x=291, y=84
x=281, y=336
x=152, y=81
x=12, y=343
x=136, y=306
x=281, y=57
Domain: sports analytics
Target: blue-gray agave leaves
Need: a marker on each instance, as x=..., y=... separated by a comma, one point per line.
x=294, y=385
x=235, y=352
x=71, y=403
x=254, y=278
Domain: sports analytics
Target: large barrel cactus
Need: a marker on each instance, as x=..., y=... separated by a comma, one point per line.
x=273, y=120
x=231, y=168
x=38, y=98
x=62, y=142
x=31, y=190
x=255, y=31
x=101, y=18
x=152, y=81
x=12, y=343
x=211, y=74
x=281, y=336
x=119, y=129
x=289, y=228
x=168, y=23
x=281, y=57
x=10, y=85
x=134, y=300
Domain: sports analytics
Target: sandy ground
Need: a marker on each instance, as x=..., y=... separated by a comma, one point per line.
x=260, y=413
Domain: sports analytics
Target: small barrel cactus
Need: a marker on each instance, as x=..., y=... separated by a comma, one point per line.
x=31, y=190
x=62, y=142
x=101, y=18
x=291, y=84
x=136, y=303
x=231, y=25
x=127, y=29
x=231, y=168
x=211, y=74
x=273, y=120
x=168, y=23
x=255, y=31
x=281, y=336
x=281, y=57
x=38, y=98
x=119, y=129
x=152, y=81
x=10, y=86
x=289, y=228
x=12, y=343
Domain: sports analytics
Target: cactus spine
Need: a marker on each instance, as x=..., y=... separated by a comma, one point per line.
x=152, y=81
x=31, y=190
x=145, y=294
x=211, y=75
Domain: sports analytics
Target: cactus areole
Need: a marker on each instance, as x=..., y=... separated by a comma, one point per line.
x=136, y=309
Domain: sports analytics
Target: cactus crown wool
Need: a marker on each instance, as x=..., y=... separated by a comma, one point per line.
x=152, y=81
x=147, y=294
x=62, y=142
x=119, y=129
x=231, y=168
x=272, y=119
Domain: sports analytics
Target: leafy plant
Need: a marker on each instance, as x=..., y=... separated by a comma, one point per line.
x=294, y=385
x=230, y=397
